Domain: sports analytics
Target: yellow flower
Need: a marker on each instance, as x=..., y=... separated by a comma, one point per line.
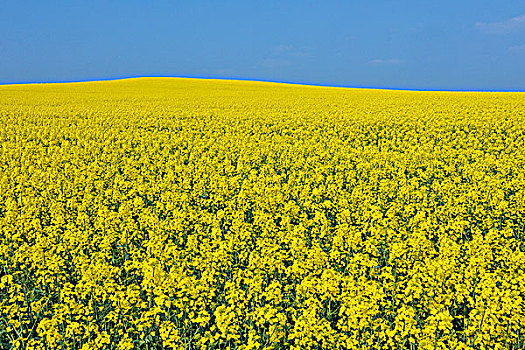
x=181, y=213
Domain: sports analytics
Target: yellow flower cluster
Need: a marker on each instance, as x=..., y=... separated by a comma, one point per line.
x=205, y=214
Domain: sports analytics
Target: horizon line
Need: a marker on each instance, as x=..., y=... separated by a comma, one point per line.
x=256, y=80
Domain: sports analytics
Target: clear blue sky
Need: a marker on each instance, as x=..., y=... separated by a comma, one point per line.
x=470, y=44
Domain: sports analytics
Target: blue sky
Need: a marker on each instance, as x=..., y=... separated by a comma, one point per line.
x=398, y=44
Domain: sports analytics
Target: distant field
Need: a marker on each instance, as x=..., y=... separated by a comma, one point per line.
x=205, y=214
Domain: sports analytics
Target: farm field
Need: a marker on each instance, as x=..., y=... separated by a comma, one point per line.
x=170, y=213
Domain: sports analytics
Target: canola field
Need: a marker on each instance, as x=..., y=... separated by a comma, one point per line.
x=162, y=213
